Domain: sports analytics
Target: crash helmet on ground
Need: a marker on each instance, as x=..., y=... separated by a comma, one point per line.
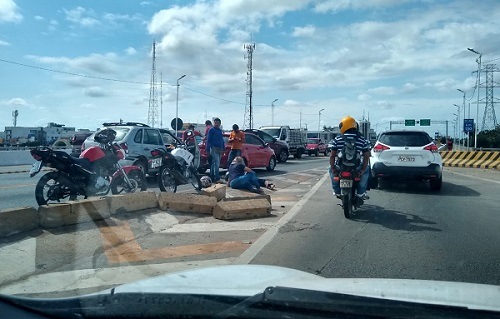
x=205, y=181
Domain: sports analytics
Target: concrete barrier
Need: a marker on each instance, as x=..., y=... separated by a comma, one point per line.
x=18, y=220
x=473, y=159
x=237, y=205
x=19, y=157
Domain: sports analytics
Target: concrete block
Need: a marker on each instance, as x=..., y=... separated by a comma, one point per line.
x=247, y=195
x=187, y=203
x=90, y=209
x=55, y=215
x=217, y=190
x=241, y=209
x=132, y=202
x=17, y=220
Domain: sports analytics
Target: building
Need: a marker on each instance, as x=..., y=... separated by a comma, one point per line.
x=15, y=135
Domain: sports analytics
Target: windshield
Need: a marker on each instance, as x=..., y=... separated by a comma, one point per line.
x=274, y=132
x=366, y=132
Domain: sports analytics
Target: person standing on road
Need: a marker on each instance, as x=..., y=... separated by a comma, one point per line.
x=236, y=140
x=215, y=147
x=208, y=126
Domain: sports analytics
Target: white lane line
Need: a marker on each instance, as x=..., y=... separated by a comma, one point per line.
x=479, y=178
x=268, y=236
x=95, y=278
x=17, y=260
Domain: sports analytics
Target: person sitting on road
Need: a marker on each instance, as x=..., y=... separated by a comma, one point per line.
x=243, y=177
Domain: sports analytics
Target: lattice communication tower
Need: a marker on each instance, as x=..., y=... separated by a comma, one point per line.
x=489, y=118
x=248, y=120
x=153, y=94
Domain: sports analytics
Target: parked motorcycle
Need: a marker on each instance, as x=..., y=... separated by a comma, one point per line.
x=178, y=165
x=94, y=173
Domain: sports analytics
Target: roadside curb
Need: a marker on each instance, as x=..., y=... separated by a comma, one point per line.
x=471, y=159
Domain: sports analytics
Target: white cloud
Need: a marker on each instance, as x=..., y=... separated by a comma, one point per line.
x=364, y=97
x=17, y=102
x=130, y=51
x=4, y=43
x=9, y=12
x=95, y=92
x=383, y=90
x=39, y=18
x=339, y=5
x=100, y=63
x=81, y=16
x=306, y=31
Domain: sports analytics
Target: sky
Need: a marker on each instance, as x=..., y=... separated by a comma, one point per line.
x=82, y=63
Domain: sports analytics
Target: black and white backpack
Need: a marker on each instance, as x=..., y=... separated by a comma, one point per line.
x=349, y=155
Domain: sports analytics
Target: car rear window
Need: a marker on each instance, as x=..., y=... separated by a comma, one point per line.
x=120, y=132
x=405, y=139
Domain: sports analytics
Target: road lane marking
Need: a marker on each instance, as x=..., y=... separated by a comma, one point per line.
x=217, y=227
x=248, y=255
x=120, y=246
x=17, y=186
x=482, y=179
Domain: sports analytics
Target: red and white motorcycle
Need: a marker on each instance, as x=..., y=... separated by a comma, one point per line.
x=94, y=173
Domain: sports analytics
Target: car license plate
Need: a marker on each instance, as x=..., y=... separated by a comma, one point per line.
x=156, y=162
x=345, y=183
x=35, y=168
x=406, y=159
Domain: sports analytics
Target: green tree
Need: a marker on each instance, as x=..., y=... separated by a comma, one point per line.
x=489, y=138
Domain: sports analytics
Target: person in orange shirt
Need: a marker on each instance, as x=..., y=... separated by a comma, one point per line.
x=236, y=140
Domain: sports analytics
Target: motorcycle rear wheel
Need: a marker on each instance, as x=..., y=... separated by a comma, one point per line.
x=166, y=182
x=137, y=178
x=52, y=187
x=347, y=205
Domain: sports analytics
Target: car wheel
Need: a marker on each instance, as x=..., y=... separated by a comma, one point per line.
x=436, y=184
x=143, y=166
x=316, y=153
x=373, y=182
x=272, y=164
x=326, y=152
x=283, y=156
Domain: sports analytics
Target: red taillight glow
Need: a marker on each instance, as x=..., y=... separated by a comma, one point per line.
x=124, y=146
x=156, y=153
x=432, y=148
x=36, y=157
x=380, y=147
x=345, y=174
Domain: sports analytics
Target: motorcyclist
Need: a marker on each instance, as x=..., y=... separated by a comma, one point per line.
x=349, y=129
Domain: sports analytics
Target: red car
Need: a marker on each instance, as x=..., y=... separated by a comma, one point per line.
x=316, y=146
x=255, y=153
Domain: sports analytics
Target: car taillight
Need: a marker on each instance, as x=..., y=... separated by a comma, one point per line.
x=380, y=147
x=156, y=153
x=36, y=157
x=432, y=148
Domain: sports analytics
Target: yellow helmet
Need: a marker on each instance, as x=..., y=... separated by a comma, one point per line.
x=347, y=123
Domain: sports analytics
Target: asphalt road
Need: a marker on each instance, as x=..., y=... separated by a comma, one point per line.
x=404, y=231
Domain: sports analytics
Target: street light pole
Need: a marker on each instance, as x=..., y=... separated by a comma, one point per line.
x=463, y=120
x=476, y=130
x=458, y=122
x=319, y=120
x=272, y=111
x=456, y=127
x=177, y=106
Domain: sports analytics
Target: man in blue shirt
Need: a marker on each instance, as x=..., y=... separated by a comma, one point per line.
x=349, y=130
x=215, y=147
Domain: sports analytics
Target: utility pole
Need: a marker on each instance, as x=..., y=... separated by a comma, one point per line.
x=248, y=120
x=272, y=111
x=489, y=118
x=153, y=94
x=15, y=114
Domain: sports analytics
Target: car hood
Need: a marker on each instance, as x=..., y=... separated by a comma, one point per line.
x=248, y=280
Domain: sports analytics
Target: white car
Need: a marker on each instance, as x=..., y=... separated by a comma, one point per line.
x=407, y=155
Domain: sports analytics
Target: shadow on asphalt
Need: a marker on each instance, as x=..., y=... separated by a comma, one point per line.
x=392, y=219
x=422, y=188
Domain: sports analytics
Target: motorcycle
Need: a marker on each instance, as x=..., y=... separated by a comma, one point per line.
x=96, y=172
x=348, y=177
x=178, y=165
